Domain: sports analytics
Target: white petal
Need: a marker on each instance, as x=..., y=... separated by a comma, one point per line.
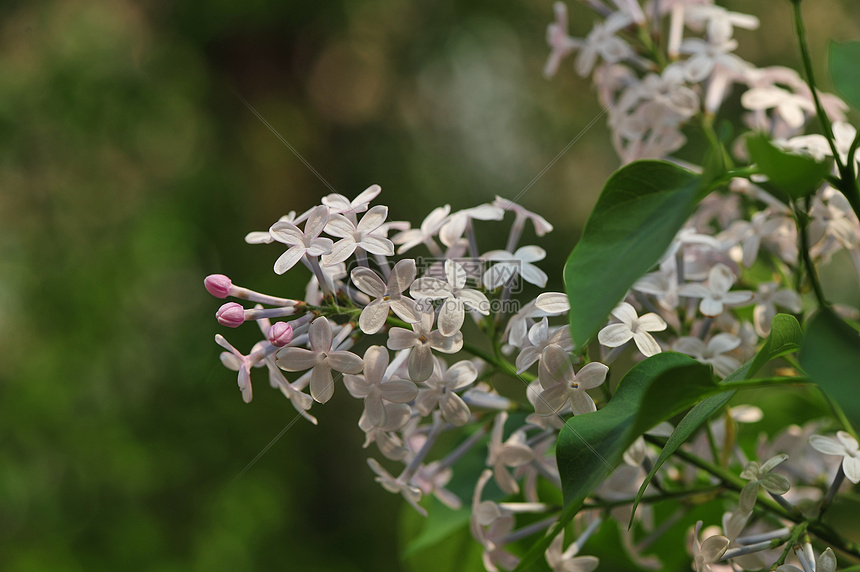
x=475, y=300
x=377, y=245
x=356, y=385
x=553, y=303
x=691, y=346
x=722, y=343
x=401, y=339
x=319, y=246
x=555, y=366
x=652, y=322
x=451, y=316
x=533, y=275
x=373, y=316
x=455, y=274
x=592, y=375
x=581, y=403
x=339, y=226
x=344, y=362
x=288, y=259
x=460, y=375
x=454, y=410
x=614, y=335
x=720, y=278
x=402, y=276
x=296, y=359
x=406, y=309
x=375, y=362
x=374, y=410
x=319, y=334
x=646, y=344
x=710, y=307
x=851, y=468
x=625, y=313
x=373, y=219
x=420, y=363
x=322, y=384
x=368, y=282
x=287, y=232
x=399, y=390
x=340, y=251
x=551, y=400
x=530, y=253
x=316, y=222
x=430, y=288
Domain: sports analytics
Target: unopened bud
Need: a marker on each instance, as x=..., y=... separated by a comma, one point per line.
x=280, y=334
x=218, y=285
x=231, y=315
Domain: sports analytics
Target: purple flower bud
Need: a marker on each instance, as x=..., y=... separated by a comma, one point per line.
x=280, y=334
x=231, y=315
x=218, y=285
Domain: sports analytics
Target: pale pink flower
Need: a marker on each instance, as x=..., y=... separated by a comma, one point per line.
x=421, y=341
x=562, y=386
x=845, y=446
x=511, y=453
x=320, y=359
x=301, y=243
x=713, y=352
x=339, y=204
x=767, y=298
x=716, y=295
x=430, y=227
x=559, y=40
x=454, y=295
x=376, y=386
x=441, y=391
x=633, y=327
x=363, y=235
x=509, y=265
x=386, y=296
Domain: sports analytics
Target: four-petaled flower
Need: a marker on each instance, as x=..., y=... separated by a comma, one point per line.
x=422, y=339
x=320, y=359
x=761, y=476
x=635, y=327
x=386, y=296
x=715, y=295
x=562, y=386
x=301, y=243
x=509, y=265
x=364, y=235
x=455, y=297
x=375, y=386
x=441, y=388
x=712, y=352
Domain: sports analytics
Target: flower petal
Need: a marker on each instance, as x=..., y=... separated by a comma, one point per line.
x=454, y=410
x=614, y=335
x=373, y=316
x=322, y=384
x=345, y=362
x=289, y=259
x=368, y=281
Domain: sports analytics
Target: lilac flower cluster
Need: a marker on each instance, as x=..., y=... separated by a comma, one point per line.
x=712, y=296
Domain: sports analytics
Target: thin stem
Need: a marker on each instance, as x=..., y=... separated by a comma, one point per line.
x=807, y=259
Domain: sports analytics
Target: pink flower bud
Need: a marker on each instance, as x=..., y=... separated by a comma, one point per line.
x=231, y=315
x=280, y=334
x=218, y=285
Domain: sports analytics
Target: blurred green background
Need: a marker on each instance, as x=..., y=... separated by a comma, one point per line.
x=130, y=169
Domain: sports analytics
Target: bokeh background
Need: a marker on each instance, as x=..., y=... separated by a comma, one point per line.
x=130, y=169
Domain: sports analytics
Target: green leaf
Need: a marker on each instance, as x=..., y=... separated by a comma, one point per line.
x=590, y=446
x=845, y=72
x=830, y=355
x=796, y=175
x=785, y=336
x=639, y=212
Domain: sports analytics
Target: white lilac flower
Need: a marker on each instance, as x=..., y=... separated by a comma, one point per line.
x=455, y=225
x=301, y=243
x=264, y=236
x=763, y=225
x=454, y=295
x=767, y=298
x=389, y=444
x=234, y=360
x=301, y=401
x=832, y=218
x=559, y=40
x=540, y=336
x=713, y=352
x=441, y=388
x=845, y=446
x=376, y=387
x=320, y=359
x=490, y=528
x=352, y=236
x=662, y=284
x=707, y=552
x=633, y=327
x=562, y=386
x=339, y=204
x=509, y=265
x=553, y=303
x=547, y=304
x=760, y=476
x=432, y=479
x=511, y=453
x=708, y=56
x=791, y=107
x=411, y=493
x=716, y=295
x=421, y=340
x=386, y=296
x=602, y=42
x=718, y=22
x=545, y=422
x=429, y=228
